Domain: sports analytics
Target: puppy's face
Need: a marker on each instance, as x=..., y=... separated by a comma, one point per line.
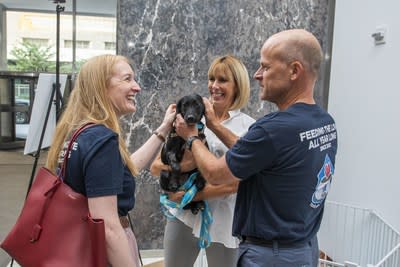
x=191, y=107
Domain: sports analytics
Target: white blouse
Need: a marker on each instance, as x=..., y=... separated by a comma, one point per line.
x=222, y=208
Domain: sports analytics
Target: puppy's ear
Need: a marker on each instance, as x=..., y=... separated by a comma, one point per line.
x=198, y=98
x=200, y=102
x=179, y=106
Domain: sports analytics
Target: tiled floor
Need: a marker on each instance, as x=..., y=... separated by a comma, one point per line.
x=15, y=173
x=147, y=262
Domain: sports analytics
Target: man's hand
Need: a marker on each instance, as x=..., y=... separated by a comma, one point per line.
x=184, y=130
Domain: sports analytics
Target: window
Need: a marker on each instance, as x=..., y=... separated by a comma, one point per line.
x=79, y=44
x=38, y=41
x=109, y=45
x=67, y=43
x=95, y=34
x=22, y=90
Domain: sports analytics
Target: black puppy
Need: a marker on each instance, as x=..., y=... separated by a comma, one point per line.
x=192, y=109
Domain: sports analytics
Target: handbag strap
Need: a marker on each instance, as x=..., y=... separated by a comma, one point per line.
x=71, y=143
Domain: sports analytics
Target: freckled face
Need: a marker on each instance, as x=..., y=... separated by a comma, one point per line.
x=123, y=88
x=273, y=75
x=221, y=86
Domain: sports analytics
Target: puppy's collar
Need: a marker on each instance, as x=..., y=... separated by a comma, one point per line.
x=200, y=126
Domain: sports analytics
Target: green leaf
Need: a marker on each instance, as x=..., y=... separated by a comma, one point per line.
x=32, y=57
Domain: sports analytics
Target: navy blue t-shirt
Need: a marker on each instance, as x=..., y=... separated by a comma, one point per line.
x=285, y=163
x=95, y=168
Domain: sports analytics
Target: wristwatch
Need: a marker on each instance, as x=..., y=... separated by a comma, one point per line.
x=190, y=140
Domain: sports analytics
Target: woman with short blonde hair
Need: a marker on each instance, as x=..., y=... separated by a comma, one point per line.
x=229, y=90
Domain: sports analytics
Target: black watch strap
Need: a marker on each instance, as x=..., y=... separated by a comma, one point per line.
x=190, y=140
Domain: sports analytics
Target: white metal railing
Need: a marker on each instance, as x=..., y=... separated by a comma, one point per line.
x=352, y=237
x=326, y=263
x=358, y=235
x=392, y=259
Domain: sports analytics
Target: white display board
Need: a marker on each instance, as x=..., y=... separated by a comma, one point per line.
x=40, y=104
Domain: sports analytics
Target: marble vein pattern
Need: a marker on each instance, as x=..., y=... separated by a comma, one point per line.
x=172, y=43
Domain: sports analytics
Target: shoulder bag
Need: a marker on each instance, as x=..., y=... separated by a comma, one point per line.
x=55, y=228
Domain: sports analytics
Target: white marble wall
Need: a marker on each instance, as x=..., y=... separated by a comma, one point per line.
x=172, y=43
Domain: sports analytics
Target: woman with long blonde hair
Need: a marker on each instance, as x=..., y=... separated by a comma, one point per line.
x=99, y=165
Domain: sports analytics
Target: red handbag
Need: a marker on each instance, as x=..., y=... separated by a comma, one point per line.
x=54, y=228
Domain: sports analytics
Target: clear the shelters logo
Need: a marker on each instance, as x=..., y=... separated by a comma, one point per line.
x=324, y=183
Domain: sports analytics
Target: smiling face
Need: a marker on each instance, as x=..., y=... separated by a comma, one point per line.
x=123, y=88
x=222, y=88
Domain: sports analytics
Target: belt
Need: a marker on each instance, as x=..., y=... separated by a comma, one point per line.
x=269, y=243
x=124, y=221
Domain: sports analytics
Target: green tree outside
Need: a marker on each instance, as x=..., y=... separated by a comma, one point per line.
x=36, y=58
x=32, y=57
